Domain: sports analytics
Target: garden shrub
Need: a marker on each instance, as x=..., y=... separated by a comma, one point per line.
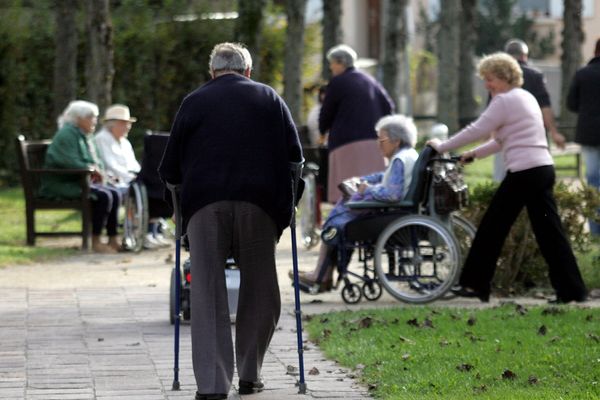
x=521, y=266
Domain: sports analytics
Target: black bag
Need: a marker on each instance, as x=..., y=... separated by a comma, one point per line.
x=450, y=191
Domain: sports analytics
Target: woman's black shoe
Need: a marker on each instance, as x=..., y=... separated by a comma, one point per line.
x=211, y=396
x=246, y=387
x=560, y=300
x=468, y=292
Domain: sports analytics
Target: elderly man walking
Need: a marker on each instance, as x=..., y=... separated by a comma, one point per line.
x=230, y=149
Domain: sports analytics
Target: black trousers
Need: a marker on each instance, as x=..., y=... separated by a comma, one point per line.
x=105, y=209
x=532, y=188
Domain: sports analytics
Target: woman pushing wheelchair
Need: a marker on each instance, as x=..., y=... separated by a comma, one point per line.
x=514, y=120
x=397, y=136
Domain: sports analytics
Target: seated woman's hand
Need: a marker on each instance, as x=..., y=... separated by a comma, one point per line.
x=96, y=176
x=362, y=187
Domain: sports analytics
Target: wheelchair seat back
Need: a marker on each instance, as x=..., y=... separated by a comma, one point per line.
x=418, y=185
x=155, y=144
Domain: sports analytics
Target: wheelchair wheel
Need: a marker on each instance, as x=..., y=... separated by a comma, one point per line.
x=372, y=290
x=136, y=217
x=308, y=212
x=351, y=293
x=416, y=259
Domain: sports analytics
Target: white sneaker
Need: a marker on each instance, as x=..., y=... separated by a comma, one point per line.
x=150, y=242
x=162, y=240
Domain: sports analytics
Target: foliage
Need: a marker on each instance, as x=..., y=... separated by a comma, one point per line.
x=161, y=53
x=498, y=23
x=506, y=352
x=521, y=265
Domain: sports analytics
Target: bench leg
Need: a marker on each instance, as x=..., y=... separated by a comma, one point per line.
x=30, y=220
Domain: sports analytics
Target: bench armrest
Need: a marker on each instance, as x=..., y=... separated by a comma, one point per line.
x=81, y=171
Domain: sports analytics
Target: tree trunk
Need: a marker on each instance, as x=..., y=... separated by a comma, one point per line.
x=448, y=63
x=467, y=106
x=99, y=62
x=332, y=31
x=294, y=49
x=248, y=28
x=394, y=54
x=570, y=59
x=65, y=59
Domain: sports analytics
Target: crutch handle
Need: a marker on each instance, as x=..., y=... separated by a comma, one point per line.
x=175, y=196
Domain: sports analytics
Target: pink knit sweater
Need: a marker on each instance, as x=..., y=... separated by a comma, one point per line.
x=514, y=121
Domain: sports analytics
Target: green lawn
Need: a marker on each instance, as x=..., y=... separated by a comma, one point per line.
x=12, y=230
x=506, y=352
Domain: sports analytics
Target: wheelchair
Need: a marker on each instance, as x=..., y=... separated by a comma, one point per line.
x=413, y=249
x=144, y=199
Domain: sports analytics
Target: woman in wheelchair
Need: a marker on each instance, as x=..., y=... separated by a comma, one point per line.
x=515, y=119
x=397, y=136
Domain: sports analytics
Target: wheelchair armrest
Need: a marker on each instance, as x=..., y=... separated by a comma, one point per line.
x=364, y=204
x=374, y=204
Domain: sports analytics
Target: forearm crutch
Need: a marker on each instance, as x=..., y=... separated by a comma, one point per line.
x=296, y=168
x=178, y=221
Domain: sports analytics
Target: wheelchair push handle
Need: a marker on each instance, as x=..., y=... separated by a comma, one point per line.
x=175, y=196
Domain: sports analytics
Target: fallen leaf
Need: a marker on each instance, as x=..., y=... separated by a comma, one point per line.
x=359, y=367
x=291, y=370
x=133, y=344
x=313, y=371
x=405, y=356
x=326, y=333
x=464, y=367
x=480, y=389
x=101, y=339
x=413, y=322
x=520, y=309
x=316, y=301
x=324, y=320
x=594, y=337
x=372, y=386
x=552, y=311
x=542, y=330
x=508, y=374
x=471, y=321
x=532, y=380
x=428, y=323
x=366, y=322
x=444, y=343
x=589, y=318
x=555, y=339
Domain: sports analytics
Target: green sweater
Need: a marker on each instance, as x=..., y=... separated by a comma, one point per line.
x=70, y=149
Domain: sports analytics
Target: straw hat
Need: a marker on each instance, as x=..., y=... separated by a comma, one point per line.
x=118, y=112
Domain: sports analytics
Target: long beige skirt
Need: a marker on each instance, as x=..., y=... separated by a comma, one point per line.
x=353, y=159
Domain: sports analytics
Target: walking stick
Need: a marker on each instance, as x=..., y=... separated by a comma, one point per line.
x=296, y=168
x=176, y=207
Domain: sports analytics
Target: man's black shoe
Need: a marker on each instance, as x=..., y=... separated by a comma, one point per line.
x=246, y=387
x=211, y=396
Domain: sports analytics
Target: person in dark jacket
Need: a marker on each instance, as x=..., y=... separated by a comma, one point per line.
x=584, y=99
x=230, y=148
x=353, y=104
x=73, y=148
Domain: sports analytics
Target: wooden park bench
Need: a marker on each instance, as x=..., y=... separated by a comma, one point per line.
x=31, y=154
x=571, y=149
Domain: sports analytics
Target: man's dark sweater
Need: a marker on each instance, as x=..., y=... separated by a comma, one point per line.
x=533, y=82
x=233, y=139
x=353, y=104
x=584, y=99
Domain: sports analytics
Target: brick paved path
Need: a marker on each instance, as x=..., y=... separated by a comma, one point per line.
x=96, y=327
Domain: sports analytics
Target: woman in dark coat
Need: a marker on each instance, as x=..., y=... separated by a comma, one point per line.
x=353, y=103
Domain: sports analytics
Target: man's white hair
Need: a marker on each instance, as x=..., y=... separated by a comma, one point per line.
x=230, y=57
